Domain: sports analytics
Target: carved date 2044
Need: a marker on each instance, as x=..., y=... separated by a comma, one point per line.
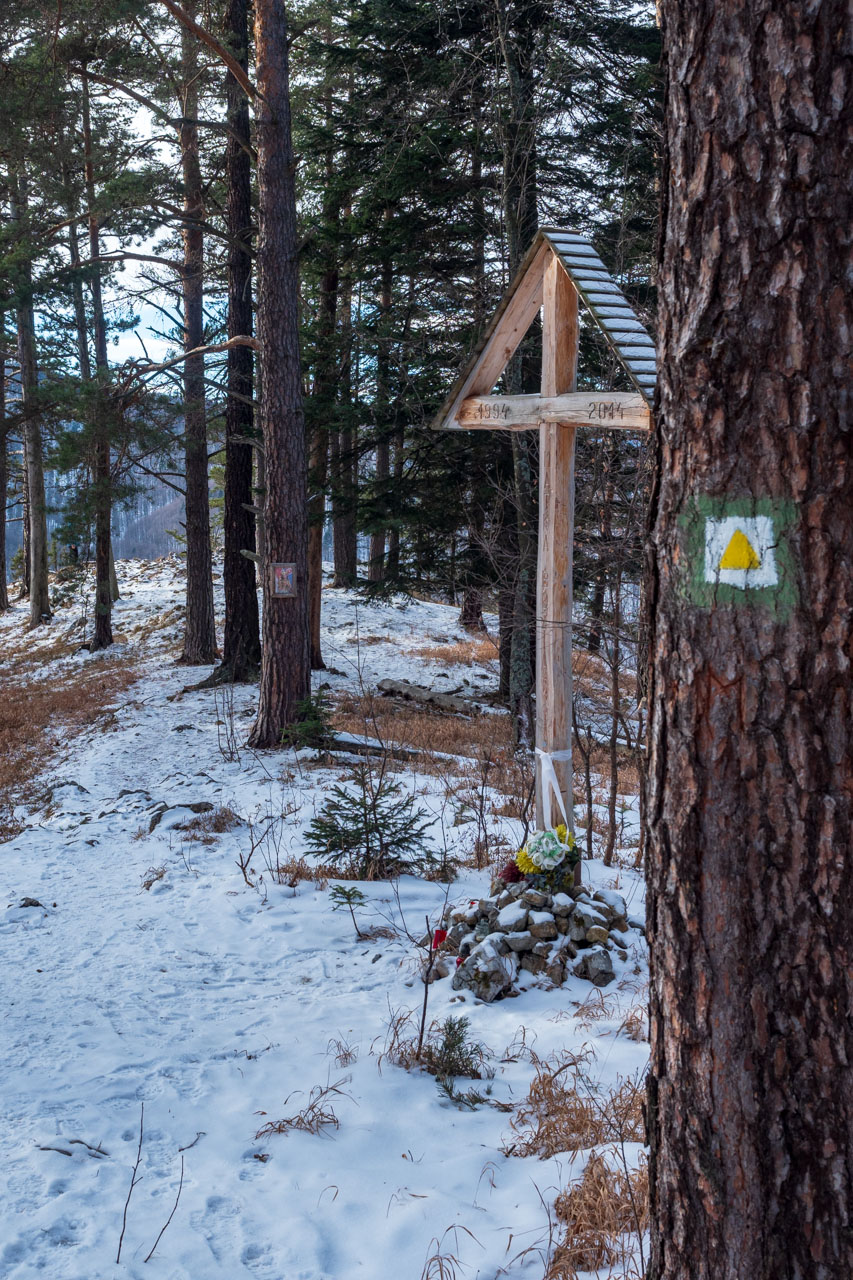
x=604, y=411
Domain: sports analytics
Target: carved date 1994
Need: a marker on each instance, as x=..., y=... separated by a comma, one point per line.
x=498, y=411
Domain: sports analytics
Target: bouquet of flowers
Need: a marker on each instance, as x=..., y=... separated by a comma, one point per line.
x=547, y=860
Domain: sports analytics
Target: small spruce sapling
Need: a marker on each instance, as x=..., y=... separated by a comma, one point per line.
x=373, y=831
x=351, y=898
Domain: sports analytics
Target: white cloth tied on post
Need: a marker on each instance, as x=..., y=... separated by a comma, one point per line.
x=549, y=783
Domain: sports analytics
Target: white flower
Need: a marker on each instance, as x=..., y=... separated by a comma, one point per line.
x=546, y=850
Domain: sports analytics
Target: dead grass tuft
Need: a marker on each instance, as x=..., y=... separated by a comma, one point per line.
x=635, y=1025
x=345, y=1053
x=565, y=1112
x=442, y=1264
x=467, y=653
x=205, y=826
x=152, y=875
x=605, y=1213
x=292, y=870
x=317, y=1115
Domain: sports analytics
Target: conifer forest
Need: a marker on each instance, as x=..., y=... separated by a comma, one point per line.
x=426, y=626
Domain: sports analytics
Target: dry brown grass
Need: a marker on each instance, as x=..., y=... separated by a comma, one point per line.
x=291, y=870
x=152, y=875
x=421, y=729
x=563, y=1112
x=317, y=1114
x=345, y=1053
x=635, y=1024
x=604, y=1214
x=467, y=653
x=206, y=826
x=39, y=715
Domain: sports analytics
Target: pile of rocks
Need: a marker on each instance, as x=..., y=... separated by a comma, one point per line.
x=490, y=941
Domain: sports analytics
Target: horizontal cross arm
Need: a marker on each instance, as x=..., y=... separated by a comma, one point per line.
x=625, y=410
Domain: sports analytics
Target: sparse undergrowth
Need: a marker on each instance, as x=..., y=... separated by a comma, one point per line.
x=605, y=1212
x=316, y=1116
x=39, y=716
x=205, y=826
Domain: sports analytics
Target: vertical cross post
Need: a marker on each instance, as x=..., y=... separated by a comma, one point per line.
x=556, y=536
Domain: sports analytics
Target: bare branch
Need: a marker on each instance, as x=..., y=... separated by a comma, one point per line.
x=142, y=371
x=215, y=47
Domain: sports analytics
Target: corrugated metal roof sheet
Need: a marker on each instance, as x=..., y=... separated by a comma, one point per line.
x=624, y=333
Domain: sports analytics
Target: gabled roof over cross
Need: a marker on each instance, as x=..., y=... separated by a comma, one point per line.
x=607, y=306
x=560, y=273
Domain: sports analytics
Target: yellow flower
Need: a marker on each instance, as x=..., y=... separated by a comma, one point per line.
x=565, y=837
x=525, y=864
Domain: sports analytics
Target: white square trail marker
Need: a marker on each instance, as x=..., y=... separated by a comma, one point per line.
x=559, y=270
x=740, y=551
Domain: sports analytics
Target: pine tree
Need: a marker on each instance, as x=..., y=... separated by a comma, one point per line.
x=749, y=800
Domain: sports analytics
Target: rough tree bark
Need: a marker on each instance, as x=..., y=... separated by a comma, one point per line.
x=199, y=633
x=376, y=567
x=4, y=478
x=751, y=760
x=35, y=509
x=326, y=373
x=241, y=650
x=101, y=471
x=517, y=34
x=285, y=669
x=345, y=455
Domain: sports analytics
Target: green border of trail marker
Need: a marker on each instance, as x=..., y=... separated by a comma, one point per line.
x=781, y=596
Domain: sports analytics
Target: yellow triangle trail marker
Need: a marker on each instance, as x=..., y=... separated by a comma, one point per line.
x=740, y=553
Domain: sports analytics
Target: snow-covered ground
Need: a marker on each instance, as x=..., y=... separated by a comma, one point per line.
x=216, y=1008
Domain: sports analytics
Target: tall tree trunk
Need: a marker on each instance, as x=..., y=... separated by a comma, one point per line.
x=36, y=504
x=393, y=567
x=24, y=590
x=517, y=33
x=77, y=297
x=285, y=670
x=199, y=634
x=4, y=479
x=750, y=788
x=345, y=462
x=241, y=654
x=318, y=473
x=325, y=387
x=101, y=470
x=376, y=568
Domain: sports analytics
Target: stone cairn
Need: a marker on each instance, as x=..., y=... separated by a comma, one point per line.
x=490, y=941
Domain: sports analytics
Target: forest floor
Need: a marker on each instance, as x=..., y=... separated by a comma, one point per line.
x=164, y=1012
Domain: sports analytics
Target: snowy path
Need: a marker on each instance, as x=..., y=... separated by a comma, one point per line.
x=212, y=1003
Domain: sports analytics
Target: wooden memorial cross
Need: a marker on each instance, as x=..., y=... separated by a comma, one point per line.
x=560, y=270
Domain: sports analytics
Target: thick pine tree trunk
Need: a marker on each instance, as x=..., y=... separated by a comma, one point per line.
x=199, y=635
x=241, y=654
x=24, y=590
x=377, y=568
x=750, y=789
x=101, y=470
x=4, y=479
x=326, y=375
x=345, y=458
x=517, y=36
x=285, y=670
x=317, y=515
x=35, y=577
